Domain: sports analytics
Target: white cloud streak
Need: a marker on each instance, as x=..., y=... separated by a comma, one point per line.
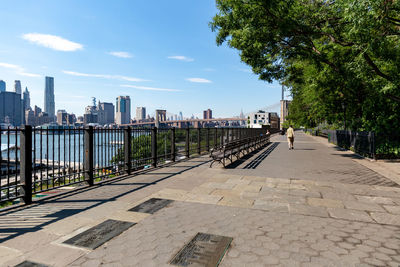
x=181, y=58
x=18, y=70
x=104, y=76
x=198, y=80
x=121, y=54
x=150, y=88
x=52, y=41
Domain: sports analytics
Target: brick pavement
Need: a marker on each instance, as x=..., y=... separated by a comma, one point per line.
x=301, y=218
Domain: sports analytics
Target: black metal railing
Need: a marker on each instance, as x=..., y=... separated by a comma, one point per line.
x=367, y=144
x=36, y=160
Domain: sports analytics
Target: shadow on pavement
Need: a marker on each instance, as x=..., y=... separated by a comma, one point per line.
x=44, y=212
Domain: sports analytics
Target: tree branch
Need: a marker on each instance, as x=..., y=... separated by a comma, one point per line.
x=375, y=67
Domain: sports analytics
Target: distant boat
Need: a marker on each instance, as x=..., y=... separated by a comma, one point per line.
x=4, y=147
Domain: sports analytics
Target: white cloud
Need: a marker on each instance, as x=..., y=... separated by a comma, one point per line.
x=150, y=88
x=104, y=76
x=18, y=70
x=121, y=54
x=181, y=58
x=9, y=66
x=198, y=80
x=209, y=69
x=245, y=70
x=27, y=74
x=52, y=41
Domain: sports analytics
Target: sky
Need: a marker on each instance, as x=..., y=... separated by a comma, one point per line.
x=162, y=54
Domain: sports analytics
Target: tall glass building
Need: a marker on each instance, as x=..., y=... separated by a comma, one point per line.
x=2, y=86
x=17, y=87
x=49, y=103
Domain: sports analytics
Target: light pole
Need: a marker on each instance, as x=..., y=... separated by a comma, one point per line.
x=344, y=114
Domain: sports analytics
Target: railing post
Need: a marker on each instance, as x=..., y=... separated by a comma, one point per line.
x=215, y=138
x=222, y=136
x=88, y=164
x=187, y=147
x=208, y=139
x=26, y=164
x=154, y=146
x=173, y=153
x=198, y=141
x=128, y=149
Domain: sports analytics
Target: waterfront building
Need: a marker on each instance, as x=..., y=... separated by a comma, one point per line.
x=207, y=114
x=105, y=113
x=123, y=110
x=49, y=102
x=17, y=87
x=30, y=117
x=262, y=119
x=140, y=113
x=11, y=108
x=2, y=86
x=62, y=117
x=90, y=118
x=27, y=99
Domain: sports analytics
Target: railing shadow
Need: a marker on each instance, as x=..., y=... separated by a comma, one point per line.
x=34, y=217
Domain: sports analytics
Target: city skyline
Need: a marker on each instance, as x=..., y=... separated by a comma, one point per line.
x=157, y=60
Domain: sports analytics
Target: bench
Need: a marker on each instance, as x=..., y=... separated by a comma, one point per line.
x=237, y=148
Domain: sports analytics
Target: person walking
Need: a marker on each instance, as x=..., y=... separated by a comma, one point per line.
x=290, y=137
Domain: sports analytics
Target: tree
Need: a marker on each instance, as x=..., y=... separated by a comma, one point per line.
x=341, y=58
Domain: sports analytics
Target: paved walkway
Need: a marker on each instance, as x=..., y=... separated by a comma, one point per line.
x=313, y=206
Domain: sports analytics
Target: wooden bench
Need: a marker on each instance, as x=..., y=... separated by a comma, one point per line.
x=237, y=148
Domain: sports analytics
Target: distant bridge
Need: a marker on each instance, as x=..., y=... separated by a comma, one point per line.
x=184, y=123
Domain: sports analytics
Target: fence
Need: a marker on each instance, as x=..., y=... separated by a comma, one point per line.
x=38, y=160
x=364, y=143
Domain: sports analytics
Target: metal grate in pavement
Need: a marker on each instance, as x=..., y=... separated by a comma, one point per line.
x=30, y=264
x=203, y=250
x=152, y=205
x=99, y=234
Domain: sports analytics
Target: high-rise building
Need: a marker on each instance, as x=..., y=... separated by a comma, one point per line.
x=49, y=103
x=284, y=111
x=11, y=108
x=180, y=115
x=62, y=117
x=2, y=86
x=107, y=110
x=27, y=99
x=17, y=87
x=140, y=113
x=207, y=114
x=123, y=110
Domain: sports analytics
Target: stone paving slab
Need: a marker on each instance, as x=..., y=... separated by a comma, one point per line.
x=260, y=238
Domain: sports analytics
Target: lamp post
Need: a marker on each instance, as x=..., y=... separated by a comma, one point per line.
x=344, y=114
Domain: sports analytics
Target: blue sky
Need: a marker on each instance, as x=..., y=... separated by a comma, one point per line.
x=160, y=53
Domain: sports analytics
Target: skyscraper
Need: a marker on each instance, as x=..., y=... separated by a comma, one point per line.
x=2, y=86
x=105, y=112
x=17, y=87
x=49, y=104
x=123, y=110
x=11, y=108
x=140, y=113
x=27, y=99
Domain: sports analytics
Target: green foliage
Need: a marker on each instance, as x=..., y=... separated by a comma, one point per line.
x=340, y=59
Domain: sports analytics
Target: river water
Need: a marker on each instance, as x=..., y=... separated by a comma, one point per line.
x=59, y=147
